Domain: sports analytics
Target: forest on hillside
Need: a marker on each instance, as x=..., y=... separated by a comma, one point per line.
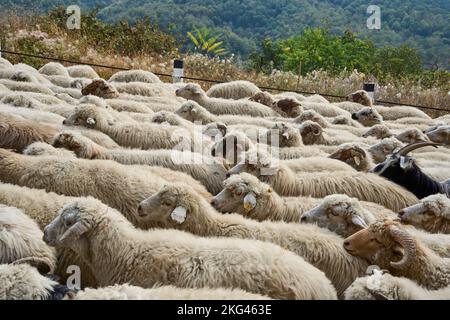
x=243, y=25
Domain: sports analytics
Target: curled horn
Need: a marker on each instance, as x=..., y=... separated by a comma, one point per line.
x=44, y=265
x=407, y=243
x=413, y=146
x=74, y=232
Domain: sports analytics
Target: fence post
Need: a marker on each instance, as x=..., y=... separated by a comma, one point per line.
x=178, y=71
x=2, y=46
x=370, y=88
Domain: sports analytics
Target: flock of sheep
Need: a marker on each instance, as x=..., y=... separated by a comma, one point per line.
x=165, y=191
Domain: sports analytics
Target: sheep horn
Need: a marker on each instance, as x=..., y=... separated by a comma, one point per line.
x=74, y=232
x=413, y=146
x=407, y=243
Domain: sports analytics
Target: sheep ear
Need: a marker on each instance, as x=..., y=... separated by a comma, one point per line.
x=249, y=202
x=194, y=110
x=358, y=221
x=178, y=214
x=357, y=161
x=286, y=135
x=90, y=121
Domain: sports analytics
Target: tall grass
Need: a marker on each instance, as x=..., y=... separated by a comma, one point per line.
x=144, y=46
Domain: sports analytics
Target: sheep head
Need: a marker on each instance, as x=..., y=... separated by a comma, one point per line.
x=353, y=155
x=100, y=88
x=22, y=76
x=287, y=107
x=384, y=243
x=189, y=110
x=83, y=147
x=256, y=162
x=412, y=135
x=281, y=135
x=367, y=117
x=338, y=213
x=431, y=214
x=74, y=222
x=380, y=150
x=89, y=116
x=379, y=131
x=361, y=97
x=244, y=194
x=312, y=115
x=342, y=120
x=440, y=135
x=311, y=132
x=262, y=97
x=231, y=146
x=173, y=205
x=191, y=91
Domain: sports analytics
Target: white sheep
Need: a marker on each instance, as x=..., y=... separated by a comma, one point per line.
x=68, y=82
x=67, y=98
x=192, y=111
x=135, y=76
x=5, y=64
x=42, y=207
x=45, y=149
x=267, y=204
x=128, y=292
x=21, y=281
x=379, y=131
x=21, y=239
x=440, y=135
x=325, y=109
x=110, y=182
x=33, y=114
x=132, y=134
x=364, y=186
x=224, y=106
x=233, y=90
x=431, y=214
x=54, y=69
x=412, y=135
x=90, y=224
x=383, y=286
x=129, y=105
x=175, y=206
x=388, y=113
x=26, y=86
x=82, y=71
x=390, y=246
x=209, y=171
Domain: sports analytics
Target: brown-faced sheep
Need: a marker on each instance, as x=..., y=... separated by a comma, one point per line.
x=100, y=88
x=175, y=206
x=390, y=246
x=440, y=135
x=112, y=241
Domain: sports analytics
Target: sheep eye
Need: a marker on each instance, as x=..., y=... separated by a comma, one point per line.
x=375, y=240
x=166, y=203
x=238, y=192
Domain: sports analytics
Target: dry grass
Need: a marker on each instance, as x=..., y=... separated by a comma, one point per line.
x=50, y=40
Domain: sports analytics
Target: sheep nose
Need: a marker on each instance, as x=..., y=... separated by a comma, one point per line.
x=346, y=243
x=354, y=117
x=401, y=213
x=64, y=121
x=303, y=219
x=213, y=202
x=140, y=211
x=228, y=175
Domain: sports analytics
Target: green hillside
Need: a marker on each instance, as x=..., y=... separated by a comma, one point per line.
x=243, y=24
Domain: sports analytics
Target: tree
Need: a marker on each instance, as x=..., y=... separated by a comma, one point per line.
x=206, y=42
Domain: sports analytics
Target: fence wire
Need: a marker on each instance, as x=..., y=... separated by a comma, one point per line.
x=205, y=80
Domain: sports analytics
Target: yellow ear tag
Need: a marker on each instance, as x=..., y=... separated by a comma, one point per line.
x=249, y=202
